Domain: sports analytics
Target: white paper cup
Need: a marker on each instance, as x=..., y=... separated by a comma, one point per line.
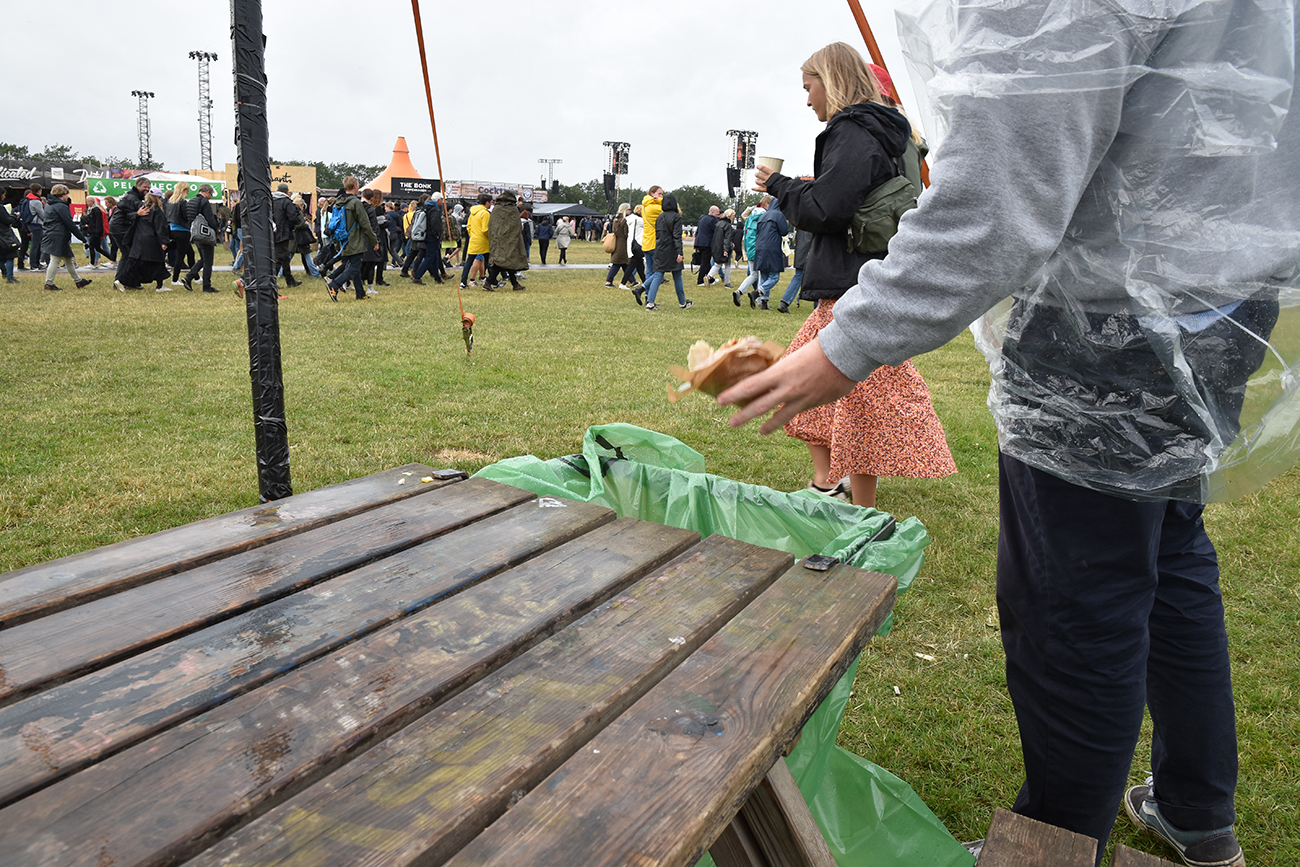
x=773, y=163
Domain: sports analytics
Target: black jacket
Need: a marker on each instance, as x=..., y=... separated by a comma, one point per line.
x=724, y=237
x=59, y=229
x=8, y=242
x=704, y=231
x=150, y=234
x=857, y=152
x=668, y=237
x=371, y=254
x=285, y=215
x=200, y=206
x=435, y=225
x=122, y=221
x=176, y=213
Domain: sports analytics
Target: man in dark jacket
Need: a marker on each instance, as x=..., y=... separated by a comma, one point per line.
x=286, y=217
x=704, y=244
x=121, y=224
x=769, y=257
x=360, y=237
x=200, y=206
x=434, y=228
x=56, y=240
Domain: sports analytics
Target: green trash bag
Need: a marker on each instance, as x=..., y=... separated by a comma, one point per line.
x=869, y=817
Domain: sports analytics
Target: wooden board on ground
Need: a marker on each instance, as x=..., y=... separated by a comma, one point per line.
x=1126, y=857
x=1017, y=841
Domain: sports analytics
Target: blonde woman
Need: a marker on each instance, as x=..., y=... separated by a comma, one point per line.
x=886, y=426
x=180, y=252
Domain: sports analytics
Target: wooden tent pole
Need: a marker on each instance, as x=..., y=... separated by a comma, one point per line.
x=879, y=59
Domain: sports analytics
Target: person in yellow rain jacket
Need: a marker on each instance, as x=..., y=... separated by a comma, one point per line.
x=651, y=207
x=477, y=254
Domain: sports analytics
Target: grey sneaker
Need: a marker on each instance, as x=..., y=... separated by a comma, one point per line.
x=1218, y=848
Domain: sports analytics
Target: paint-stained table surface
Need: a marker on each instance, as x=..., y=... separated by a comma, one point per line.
x=411, y=668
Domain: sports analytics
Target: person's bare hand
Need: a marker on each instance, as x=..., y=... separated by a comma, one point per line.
x=761, y=174
x=143, y=212
x=802, y=380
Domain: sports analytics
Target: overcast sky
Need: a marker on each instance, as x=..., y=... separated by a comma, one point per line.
x=670, y=77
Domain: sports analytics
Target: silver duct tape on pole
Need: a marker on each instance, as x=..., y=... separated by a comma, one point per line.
x=252, y=141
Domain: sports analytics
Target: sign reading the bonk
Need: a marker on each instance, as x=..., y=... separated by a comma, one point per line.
x=411, y=188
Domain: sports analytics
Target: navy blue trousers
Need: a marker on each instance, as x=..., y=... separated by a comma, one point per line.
x=1107, y=605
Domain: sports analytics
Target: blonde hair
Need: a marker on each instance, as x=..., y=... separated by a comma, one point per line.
x=181, y=192
x=58, y=190
x=845, y=76
x=153, y=201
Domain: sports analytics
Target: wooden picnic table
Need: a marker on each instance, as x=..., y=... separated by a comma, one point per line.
x=417, y=668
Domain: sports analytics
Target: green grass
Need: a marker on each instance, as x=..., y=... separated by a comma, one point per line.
x=125, y=414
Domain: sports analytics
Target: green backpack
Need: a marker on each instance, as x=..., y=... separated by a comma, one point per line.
x=876, y=219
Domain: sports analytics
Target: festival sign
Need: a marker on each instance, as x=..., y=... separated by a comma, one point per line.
x=118, y=187
x=23, y=173
x=471, y=190
x=412, y=188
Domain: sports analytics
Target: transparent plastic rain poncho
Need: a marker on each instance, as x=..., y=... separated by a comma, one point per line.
x=1155, y=354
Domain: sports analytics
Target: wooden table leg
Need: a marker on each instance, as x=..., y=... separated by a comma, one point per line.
x=773, y=829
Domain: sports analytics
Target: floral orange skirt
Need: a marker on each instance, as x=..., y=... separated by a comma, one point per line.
x=886, y=426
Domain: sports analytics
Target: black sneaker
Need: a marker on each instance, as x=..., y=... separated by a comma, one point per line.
x=637, y=294
x=331, y=292
x=1197, y=848
x=762, y=305
x=652, y=306
x=753, y=298
x=782, y=307
x=685, y=304
x=735, y=297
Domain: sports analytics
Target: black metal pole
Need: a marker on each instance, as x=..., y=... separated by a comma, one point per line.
x=252, y=141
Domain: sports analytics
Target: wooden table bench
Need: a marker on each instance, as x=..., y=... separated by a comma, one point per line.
x=417, y=668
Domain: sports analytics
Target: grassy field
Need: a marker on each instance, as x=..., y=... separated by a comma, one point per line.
x=124, y=414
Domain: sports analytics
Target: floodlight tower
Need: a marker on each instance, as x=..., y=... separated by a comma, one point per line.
x=744, y=145
x=142, y=125
x=205, y=108
x=616, y=161
x=550, y=173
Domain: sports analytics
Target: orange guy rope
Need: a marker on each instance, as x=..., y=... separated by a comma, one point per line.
x=433, y=125
x=879, y=59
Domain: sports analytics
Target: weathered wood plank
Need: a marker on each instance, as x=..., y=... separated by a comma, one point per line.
x=157, y=801
x=1017, y=841
x=1126, y=857
x=736, y=846
x=422, y=794
x=45, y=587
x=781, y=824
x=52, y=734
x=76, y=640
x=698, y=743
